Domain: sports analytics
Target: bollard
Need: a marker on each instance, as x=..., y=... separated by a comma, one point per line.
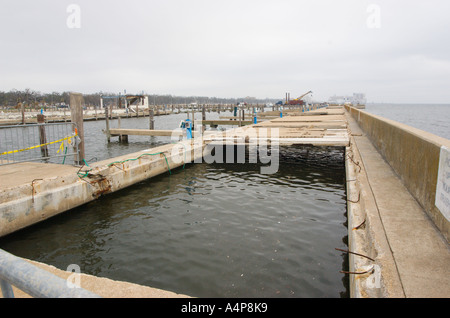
x=255, y=120
x=281, y=111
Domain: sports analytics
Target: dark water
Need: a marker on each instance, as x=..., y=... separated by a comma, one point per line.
x=433, y=118
x=211, y=230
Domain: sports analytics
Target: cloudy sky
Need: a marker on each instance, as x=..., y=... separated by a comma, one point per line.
x=391, y=50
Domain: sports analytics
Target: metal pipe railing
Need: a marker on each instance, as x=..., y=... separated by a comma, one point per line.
x=34, y=281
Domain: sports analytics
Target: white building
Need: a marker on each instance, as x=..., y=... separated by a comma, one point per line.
x=355, y=99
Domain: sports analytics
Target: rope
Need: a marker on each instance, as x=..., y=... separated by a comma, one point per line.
x=145, y=154
x=84, y=173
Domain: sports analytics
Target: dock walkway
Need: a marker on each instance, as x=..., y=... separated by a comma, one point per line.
x=404, y=242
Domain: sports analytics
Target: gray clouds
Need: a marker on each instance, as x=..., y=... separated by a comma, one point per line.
x=229, y=48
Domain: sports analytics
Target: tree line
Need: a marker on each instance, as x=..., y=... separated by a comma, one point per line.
x=34, y=99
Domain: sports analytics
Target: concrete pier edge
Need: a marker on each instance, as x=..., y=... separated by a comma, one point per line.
x=366, y=236
x=388, y=221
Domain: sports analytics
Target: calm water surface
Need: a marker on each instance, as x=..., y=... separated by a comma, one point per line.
x=219, y=230
x=433, y=118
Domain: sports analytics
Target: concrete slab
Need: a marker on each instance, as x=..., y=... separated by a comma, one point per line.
x=24, y=173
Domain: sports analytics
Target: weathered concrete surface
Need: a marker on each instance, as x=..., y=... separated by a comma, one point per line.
x=411, y=253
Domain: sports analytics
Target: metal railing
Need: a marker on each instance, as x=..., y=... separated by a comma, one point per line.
x=47, y=142
x=35, y=281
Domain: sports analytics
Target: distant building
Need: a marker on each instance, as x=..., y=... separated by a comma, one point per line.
x=355, y=99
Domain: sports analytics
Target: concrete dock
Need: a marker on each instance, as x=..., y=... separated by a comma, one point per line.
x=388, y=224
x=398, y=238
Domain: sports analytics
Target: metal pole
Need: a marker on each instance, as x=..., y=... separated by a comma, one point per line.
x=36, y=282
x=6, y=289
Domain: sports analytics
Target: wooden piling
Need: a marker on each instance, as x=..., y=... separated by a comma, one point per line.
x=152, y=119
x=76, y=112
x=203, y=118
x=42, y=135
x=108, y=134
x=22, y=109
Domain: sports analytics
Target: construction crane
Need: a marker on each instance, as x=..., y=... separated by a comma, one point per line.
x=298, y=100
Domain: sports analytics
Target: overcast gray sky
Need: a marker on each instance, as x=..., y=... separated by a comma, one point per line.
x=392, y=50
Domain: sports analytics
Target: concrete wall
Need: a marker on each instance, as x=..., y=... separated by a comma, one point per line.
x=414, y=156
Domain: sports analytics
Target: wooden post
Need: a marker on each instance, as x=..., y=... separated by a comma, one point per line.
x=76, y=112
x=108, y=134
x=122, y=138
x=152, y=119
x=22, y=109
x=42, y=135
x=203, y=118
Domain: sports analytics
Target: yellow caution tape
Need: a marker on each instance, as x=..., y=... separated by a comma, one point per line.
x=38, y=146
x=61, y=147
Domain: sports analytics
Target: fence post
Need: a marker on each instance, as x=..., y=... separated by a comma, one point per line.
x=76, y=113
